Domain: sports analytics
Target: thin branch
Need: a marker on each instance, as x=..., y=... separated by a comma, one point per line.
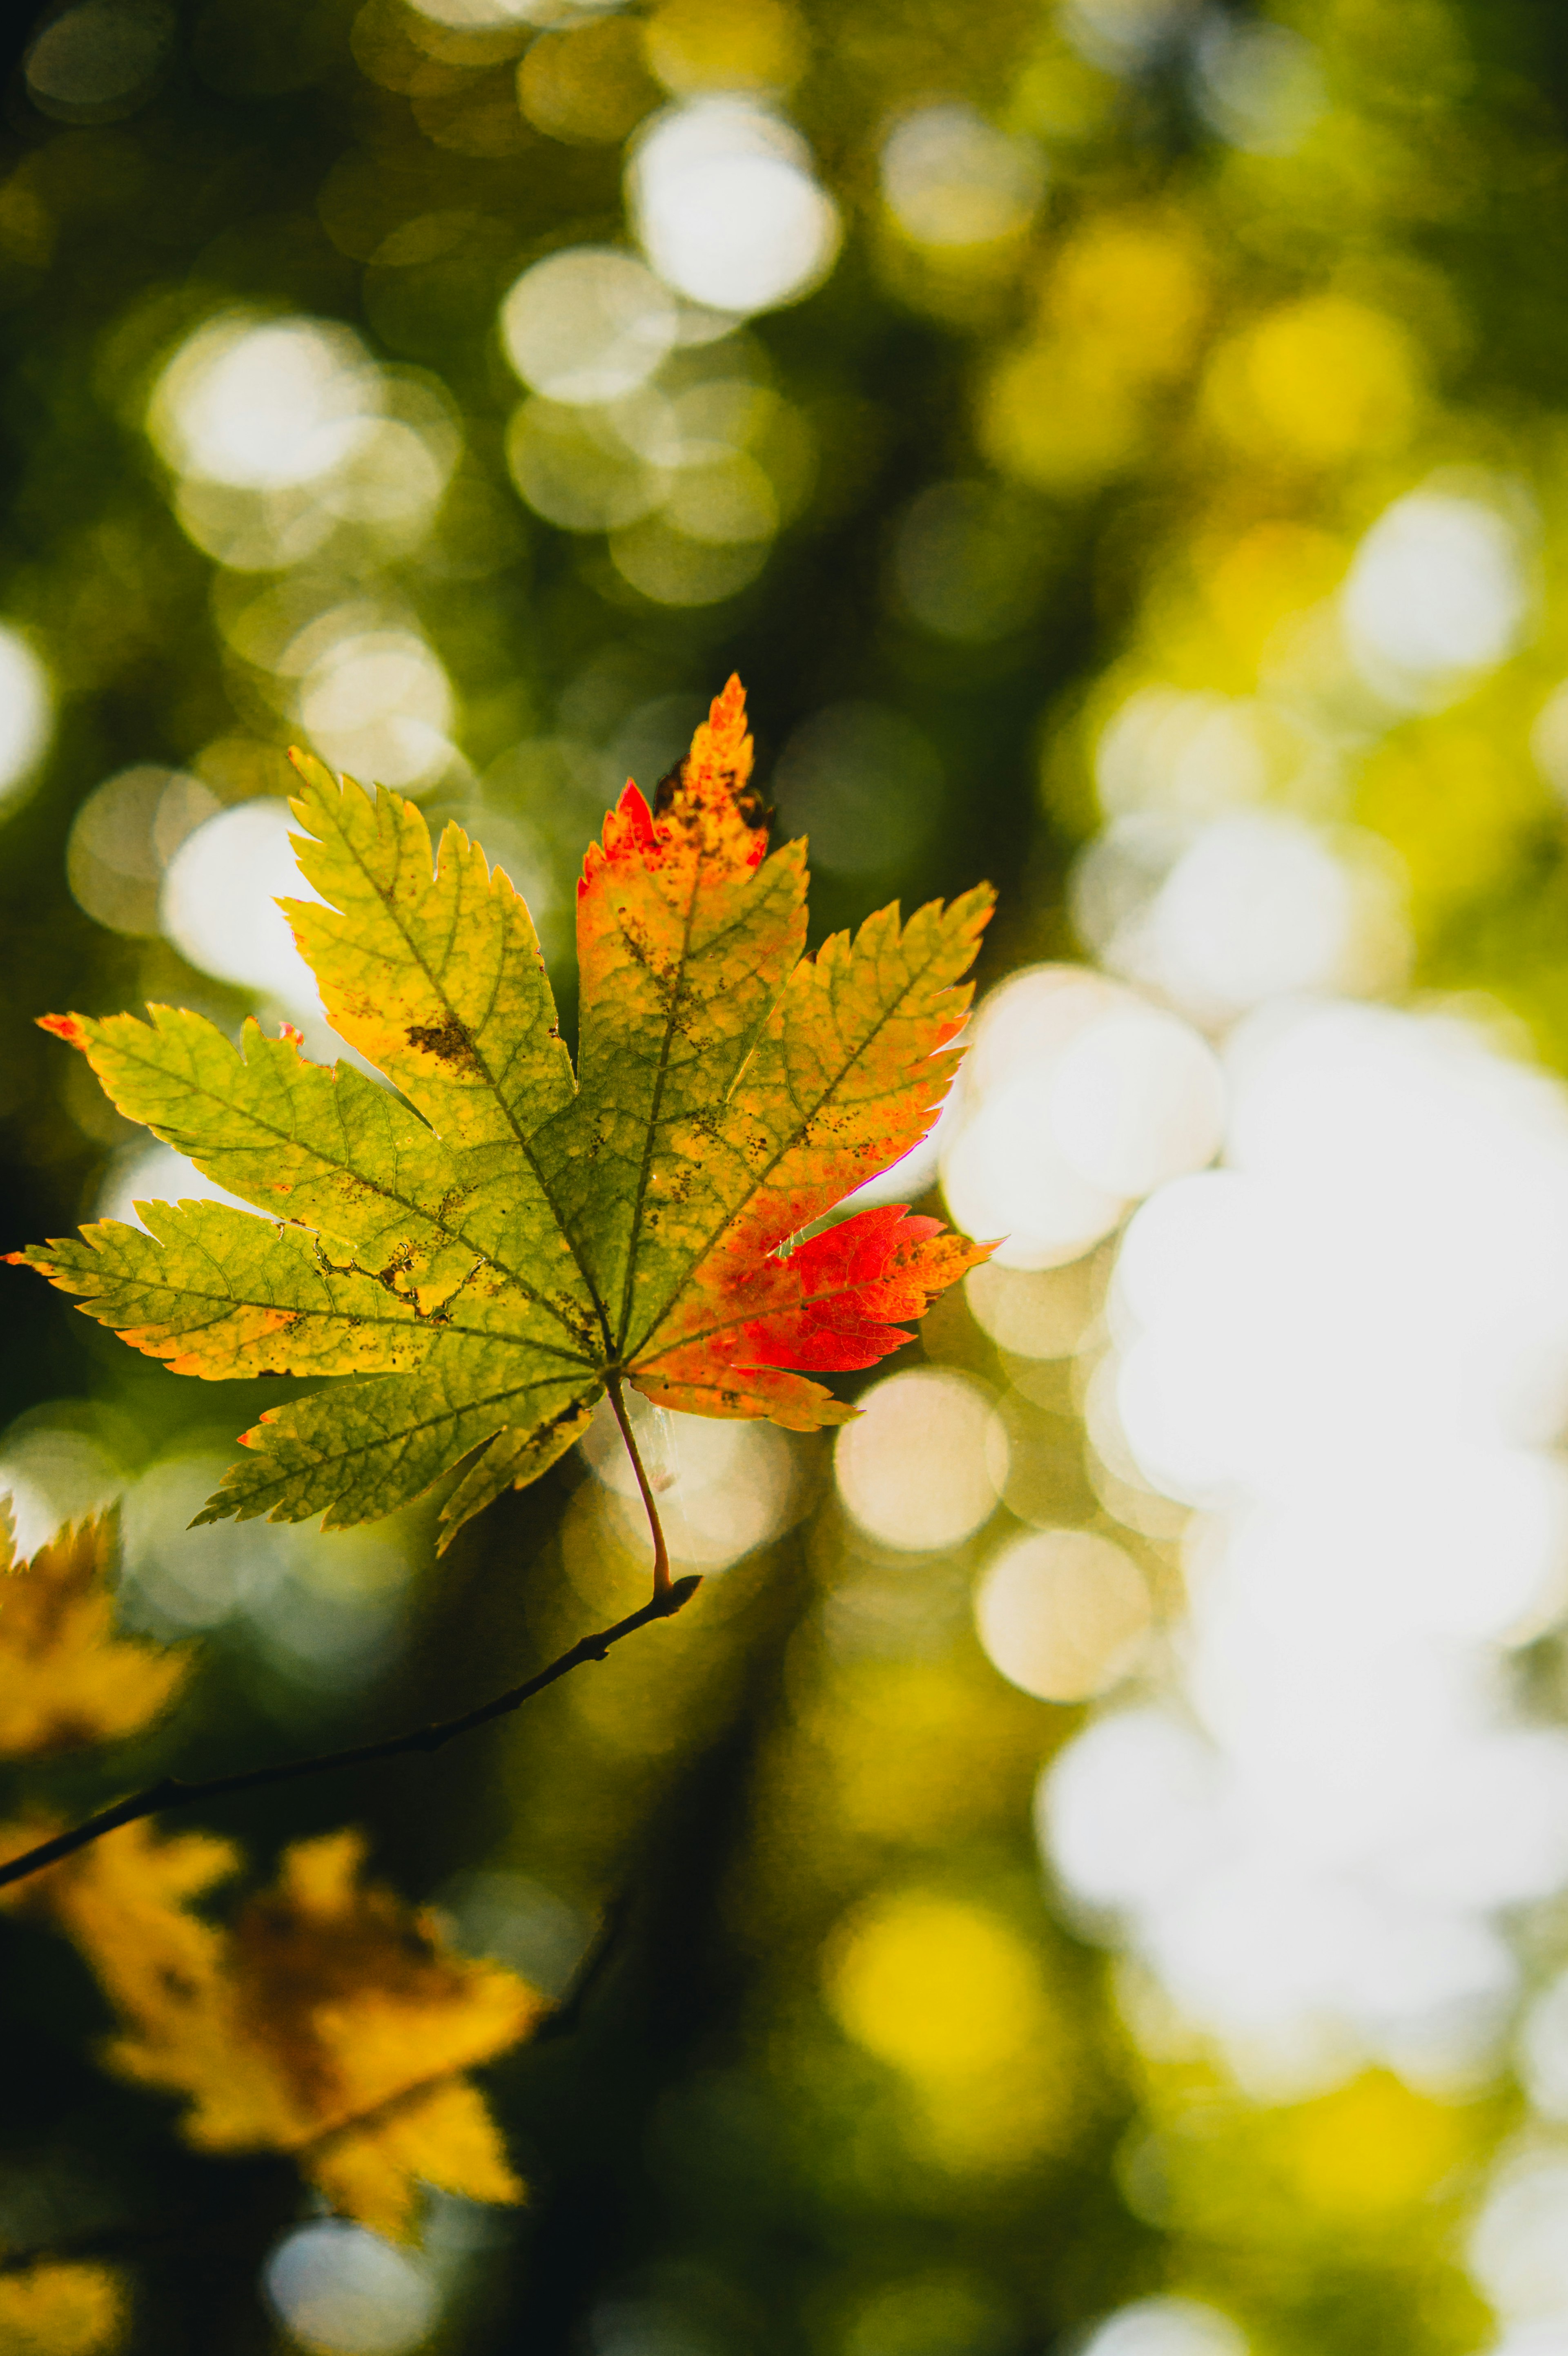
x=172, y=1793
x=661, y=1552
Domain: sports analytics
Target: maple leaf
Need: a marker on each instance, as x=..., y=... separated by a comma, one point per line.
x=482, y=1252
x=329, y=2021
x=57, y=2308
x=65, y=1678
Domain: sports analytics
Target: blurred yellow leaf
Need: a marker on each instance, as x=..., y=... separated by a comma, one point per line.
x=62, y=2310
x=65, y=1678
x=329, y=2021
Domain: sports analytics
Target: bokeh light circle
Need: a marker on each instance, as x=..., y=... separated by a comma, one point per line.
x=1519, y=2244
x=1138, y=1098
x=1063, y=1613
x=335, y=2285
x=264, y=405
x=26, y=713
x=918, y=1469
x=220, y=900
x=951, y=178
x=1437, y=591
x=99, y=61
x=1166, y=2327
x=588, y=324
x=123, y=839
x=727, y=207
x=1077, y=1098
x=379, y=705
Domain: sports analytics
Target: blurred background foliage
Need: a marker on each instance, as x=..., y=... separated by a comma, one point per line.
x=1122, y=444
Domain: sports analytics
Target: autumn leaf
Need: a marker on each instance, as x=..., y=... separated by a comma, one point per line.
x=65, y=1678
x=328, y=2022
x=483, y=1251
x=58, y=2309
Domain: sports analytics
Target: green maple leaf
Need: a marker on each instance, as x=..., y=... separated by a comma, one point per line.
x=486, y=1246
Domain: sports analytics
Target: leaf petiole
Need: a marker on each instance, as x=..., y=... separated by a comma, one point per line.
x=661, y=1551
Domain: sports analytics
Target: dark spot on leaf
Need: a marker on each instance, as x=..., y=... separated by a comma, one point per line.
x=749, y=804
x=666, y=790
x=448, y=1042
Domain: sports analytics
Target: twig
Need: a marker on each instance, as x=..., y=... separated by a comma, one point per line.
x=172, y=1793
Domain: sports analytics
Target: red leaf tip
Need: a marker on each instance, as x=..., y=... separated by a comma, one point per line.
x=634, y=810
x=704, y=811
x=68, y=1027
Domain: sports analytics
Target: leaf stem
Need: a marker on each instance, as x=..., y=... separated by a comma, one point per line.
x=661, y=1552
x=172, y=1793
